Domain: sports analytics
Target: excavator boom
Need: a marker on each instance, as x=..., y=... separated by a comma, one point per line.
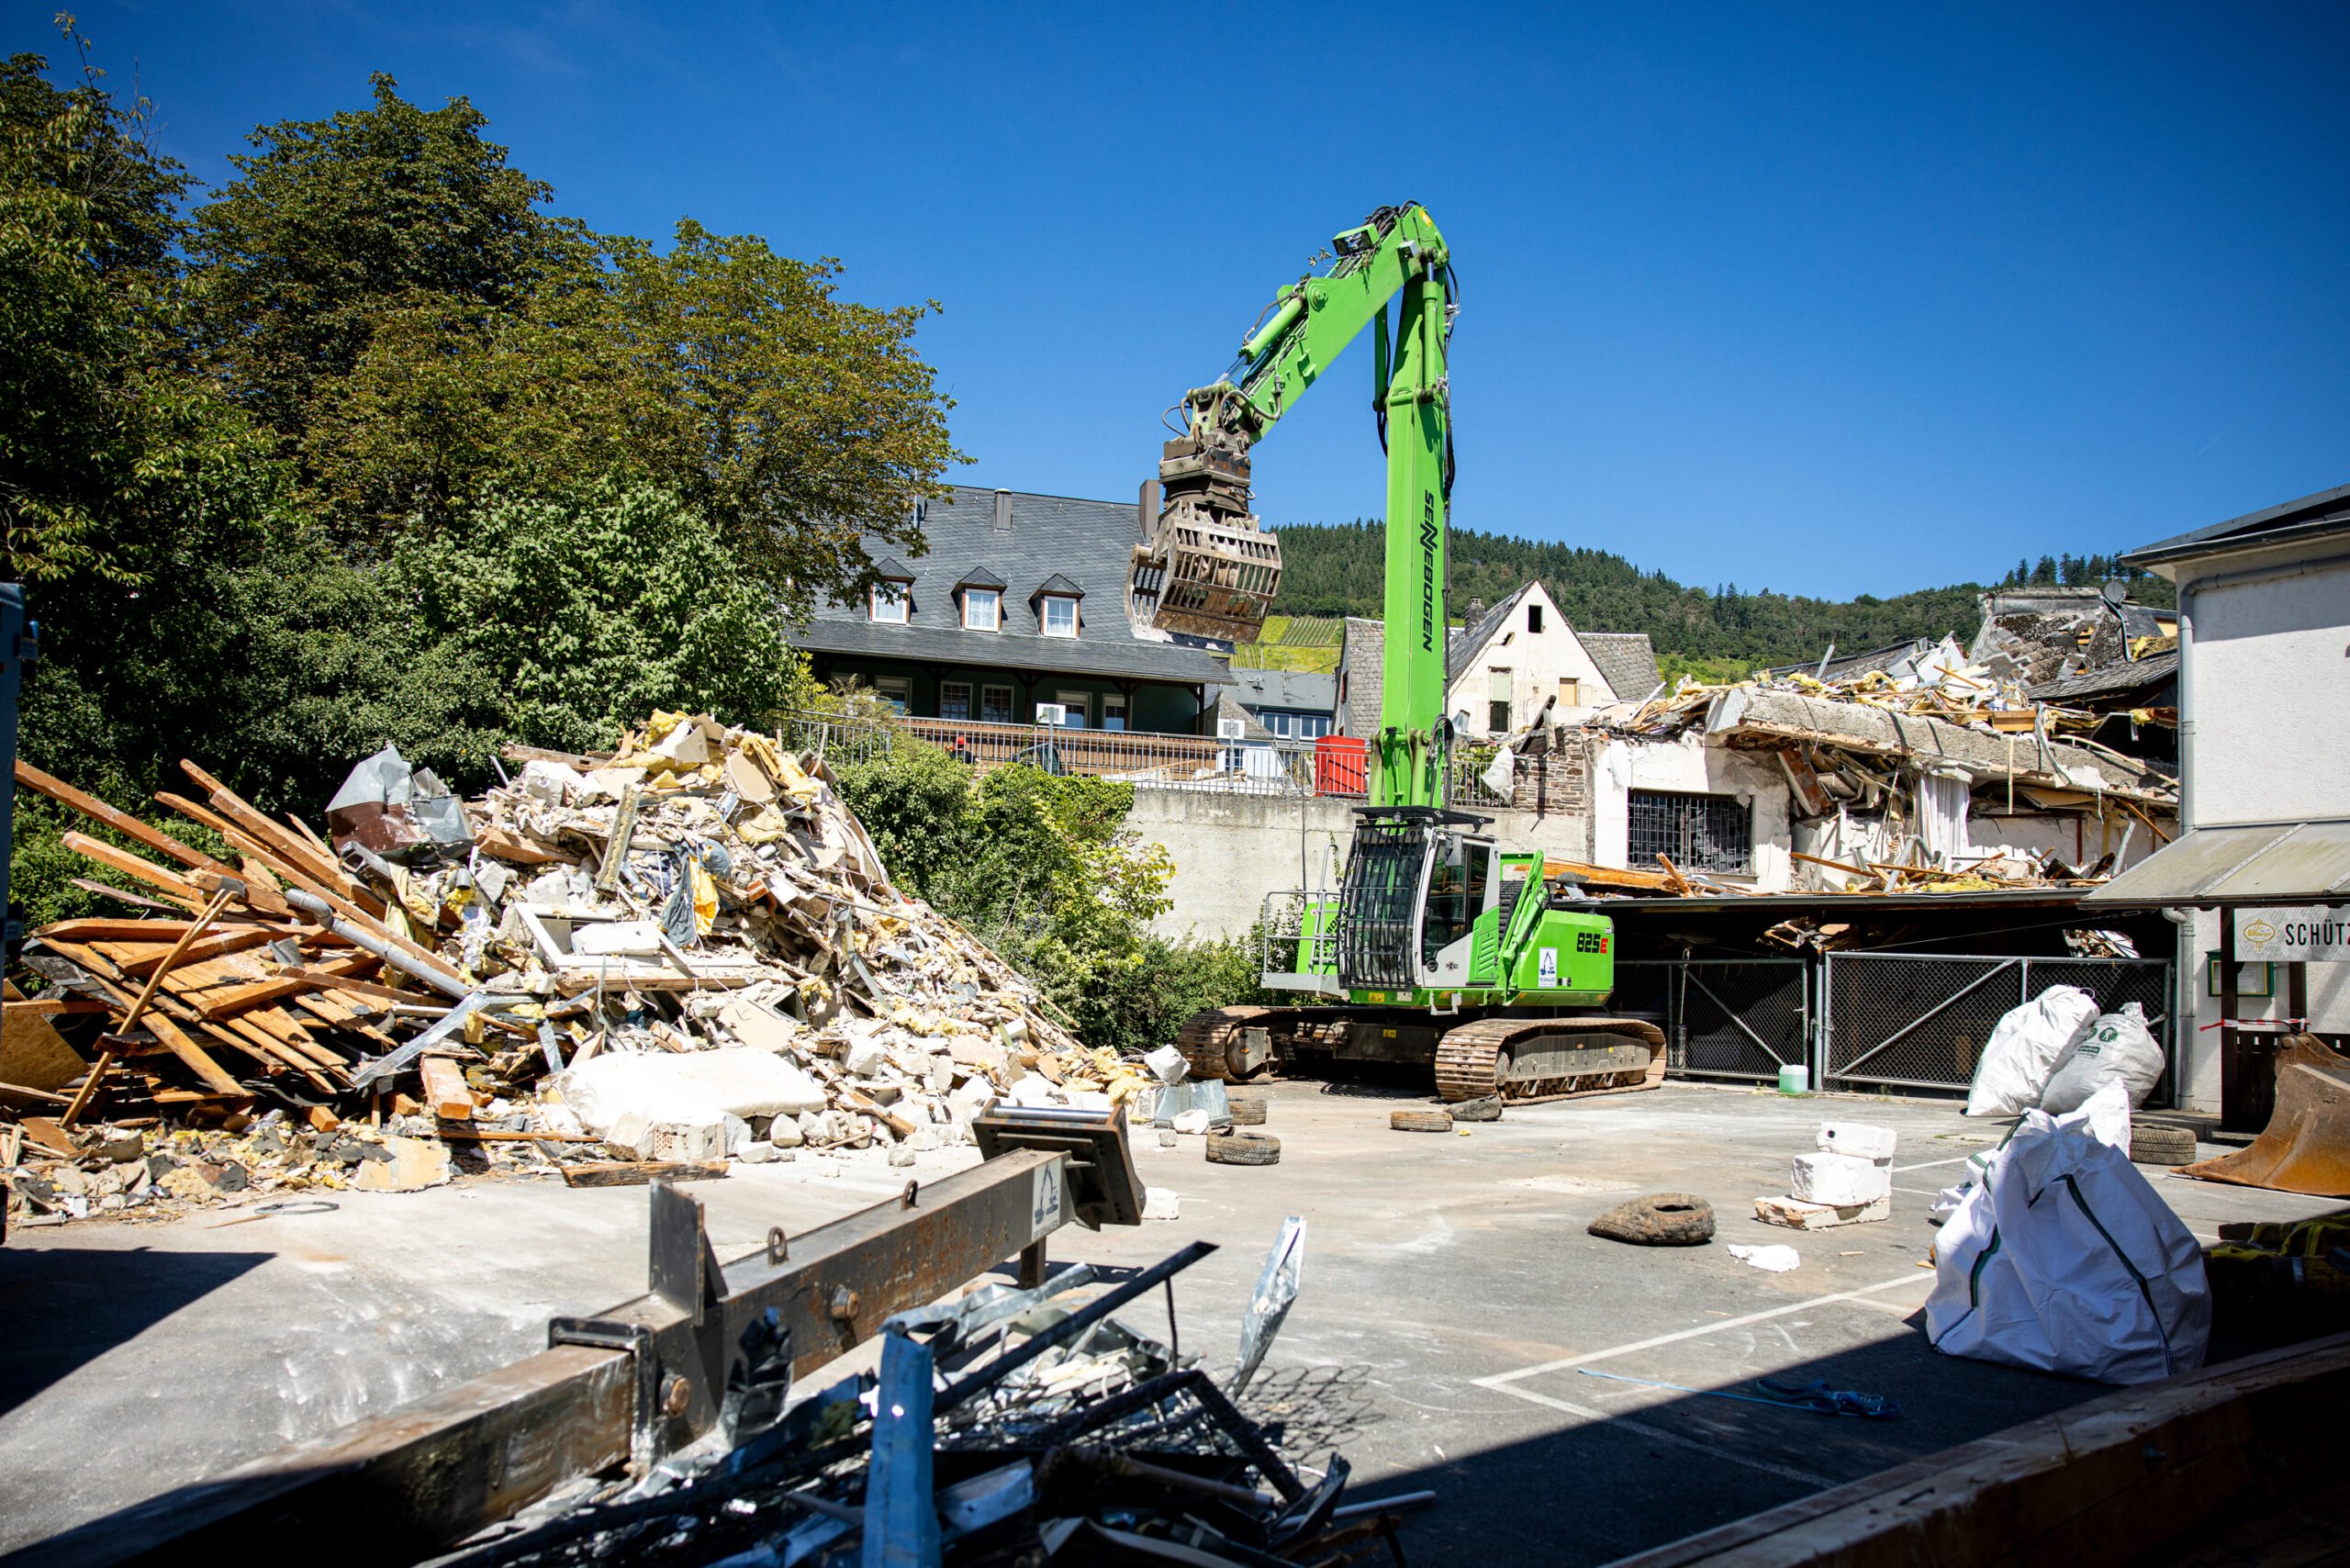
x=1210, y=570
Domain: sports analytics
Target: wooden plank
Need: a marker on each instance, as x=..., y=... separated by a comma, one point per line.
x=33, y=1053
x=279, y=1049
x=1583, y=871
x=146, y=996
x=195, y=811
x=505, y=845
x=277, y=988
x=637, y=1172
x=326, y=979
x=445, y=1095
x=242, y=941
x=282, y=844
x=137, y=901
x=616, y=845
x=176, y=886
x=123, y=823
x=197, y=1059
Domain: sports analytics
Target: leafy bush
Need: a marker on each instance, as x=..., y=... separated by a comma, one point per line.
x=1044, y=870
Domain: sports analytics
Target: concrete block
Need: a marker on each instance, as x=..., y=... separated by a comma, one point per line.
x=626, y=1136
x=1161, y=1202
x=1859, y=1138
x=1840, y=1179
x=694, y=1143
x=1797, y=1214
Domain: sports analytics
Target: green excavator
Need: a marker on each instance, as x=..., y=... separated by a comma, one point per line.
x=1441, y=946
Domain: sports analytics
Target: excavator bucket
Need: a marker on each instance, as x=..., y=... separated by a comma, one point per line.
x=1204, y=567
x=2306, y=1146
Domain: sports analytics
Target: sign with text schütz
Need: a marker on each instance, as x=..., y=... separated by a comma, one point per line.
x=2316, y=935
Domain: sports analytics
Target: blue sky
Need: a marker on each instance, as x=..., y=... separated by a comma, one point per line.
x=1828, y=299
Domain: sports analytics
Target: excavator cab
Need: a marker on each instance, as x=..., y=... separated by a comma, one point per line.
x=1417, y=881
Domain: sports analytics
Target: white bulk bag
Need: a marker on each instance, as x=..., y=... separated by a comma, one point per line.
x=2062, y=1259
x=2118, y=1048
x=2024, y=1048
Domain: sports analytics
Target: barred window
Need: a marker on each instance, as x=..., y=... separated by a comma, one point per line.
x=1697, y=833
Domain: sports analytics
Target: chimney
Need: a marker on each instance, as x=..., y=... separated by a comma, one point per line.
x=1146, y=509
x=1475, y=611
x=1003, y=511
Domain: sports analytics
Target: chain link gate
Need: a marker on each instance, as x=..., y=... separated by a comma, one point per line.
x=1742, y=1018
x=1920, y=1020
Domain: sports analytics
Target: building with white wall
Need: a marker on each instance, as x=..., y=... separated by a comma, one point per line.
x=2263, y=712
x=1510, y=668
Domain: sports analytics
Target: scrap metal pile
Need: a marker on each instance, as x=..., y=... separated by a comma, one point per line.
x=610, y=968
x=1005, y=1426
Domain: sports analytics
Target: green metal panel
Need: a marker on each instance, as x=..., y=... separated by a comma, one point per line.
x=1484, y=948
x=1567, y=952
x=1320, y=919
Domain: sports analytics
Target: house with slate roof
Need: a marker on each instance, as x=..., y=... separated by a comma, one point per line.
x=1020, y=602
x=1512, y=665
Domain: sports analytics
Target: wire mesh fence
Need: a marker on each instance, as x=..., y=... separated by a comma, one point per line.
x=1920, y=1020
x=1740, y=1018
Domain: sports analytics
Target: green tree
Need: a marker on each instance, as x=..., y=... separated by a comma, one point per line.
x=111, y=459
x=567, y=619
x=803, y=425
x=332, y=224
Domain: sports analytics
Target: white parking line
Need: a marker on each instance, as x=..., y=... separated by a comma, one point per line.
x=1499, y=1379
x=1929, y=1164
x=1659, y=1434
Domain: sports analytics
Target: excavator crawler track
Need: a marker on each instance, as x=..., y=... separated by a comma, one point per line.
x=1207, y=1040
x=1476, y=1059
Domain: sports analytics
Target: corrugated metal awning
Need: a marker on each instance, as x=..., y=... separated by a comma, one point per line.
x=2259, y=863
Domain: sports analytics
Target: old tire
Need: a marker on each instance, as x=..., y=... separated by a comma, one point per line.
x=1248, y=1110
x=1244, y=1148
x=1487, y=1109
x=1661, y=1219
x=1420, y=1122
x=2158, y=1143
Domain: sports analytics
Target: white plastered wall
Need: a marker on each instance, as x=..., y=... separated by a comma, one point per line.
x=1536, y=661
x=1686, y=765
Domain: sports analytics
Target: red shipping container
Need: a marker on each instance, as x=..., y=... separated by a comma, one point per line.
x=1341, y=766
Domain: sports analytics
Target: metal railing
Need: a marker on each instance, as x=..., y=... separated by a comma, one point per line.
x=1147, y=759
x=1920, y=1020
x=1141, y=757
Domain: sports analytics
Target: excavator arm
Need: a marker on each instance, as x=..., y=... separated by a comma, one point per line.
x=1209, y=570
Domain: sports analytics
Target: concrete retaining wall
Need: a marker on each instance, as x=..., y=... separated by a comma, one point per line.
x=1232, y=850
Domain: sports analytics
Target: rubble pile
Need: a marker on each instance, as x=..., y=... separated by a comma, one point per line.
x=1888, y=760
x=613, y=967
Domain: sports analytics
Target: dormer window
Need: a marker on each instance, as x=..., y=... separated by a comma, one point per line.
x=980, y=594
x=891, y=598
x=1056, y=601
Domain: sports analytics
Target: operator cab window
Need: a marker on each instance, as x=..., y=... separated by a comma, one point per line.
x=1456, y=893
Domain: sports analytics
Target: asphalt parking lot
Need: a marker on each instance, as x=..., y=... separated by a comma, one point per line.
x=1457, y=1329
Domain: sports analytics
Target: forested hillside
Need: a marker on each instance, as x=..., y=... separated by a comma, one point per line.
x=1335, y=569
